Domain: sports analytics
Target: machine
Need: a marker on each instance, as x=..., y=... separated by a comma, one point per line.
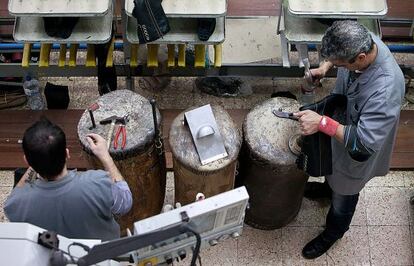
x=161, y=239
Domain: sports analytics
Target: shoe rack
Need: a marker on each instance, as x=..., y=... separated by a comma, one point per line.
x=183, y=18
x=299, y=24
x=93, y=27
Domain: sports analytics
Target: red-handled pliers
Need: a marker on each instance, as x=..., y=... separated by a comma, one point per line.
x=120, y=131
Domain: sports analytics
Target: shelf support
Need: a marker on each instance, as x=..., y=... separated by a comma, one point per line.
x=62, y=55
x=44, y=54
x=73, y=50
x=27, y=50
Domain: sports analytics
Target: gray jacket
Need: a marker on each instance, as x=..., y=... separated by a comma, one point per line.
x=374, y=103
x=76, y=206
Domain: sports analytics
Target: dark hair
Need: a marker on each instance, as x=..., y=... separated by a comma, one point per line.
x=44, y=145
x=345, y=40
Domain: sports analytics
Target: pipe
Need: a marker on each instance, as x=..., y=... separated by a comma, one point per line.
x=395, y=48
x=36, y=46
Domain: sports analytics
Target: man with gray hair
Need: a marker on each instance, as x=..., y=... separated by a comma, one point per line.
x=373, y=83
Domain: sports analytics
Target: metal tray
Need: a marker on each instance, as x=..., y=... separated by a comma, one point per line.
x=59, y=8
x=183, y=31
x=309, y=30
x=338, y=8
x=87, y=30
x=188, y=8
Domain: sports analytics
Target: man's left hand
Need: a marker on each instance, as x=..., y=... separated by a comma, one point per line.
x=309, y=121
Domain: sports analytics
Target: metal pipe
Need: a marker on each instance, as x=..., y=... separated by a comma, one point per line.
x=395, y=48
x=19, y=46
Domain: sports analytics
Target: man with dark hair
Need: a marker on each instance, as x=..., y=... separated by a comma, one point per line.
x=373, y=83
x=73, y=204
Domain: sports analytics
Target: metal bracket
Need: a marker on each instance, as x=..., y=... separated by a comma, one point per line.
x=206, y=136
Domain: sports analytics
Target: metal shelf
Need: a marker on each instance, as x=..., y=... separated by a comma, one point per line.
x=338, y=8
x=59, y=8
x=183, y=31
x=309, y=30
x=87, y=30
x=188, y=8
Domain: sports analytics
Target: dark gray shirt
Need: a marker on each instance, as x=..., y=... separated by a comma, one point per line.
x=374, y=103
x=78, y=205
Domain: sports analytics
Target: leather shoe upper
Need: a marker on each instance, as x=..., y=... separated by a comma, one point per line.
x=317, y=247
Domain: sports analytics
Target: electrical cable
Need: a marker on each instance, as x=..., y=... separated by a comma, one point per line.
x=196, y=250
x=199, y=260
x=72, y=258
x=83, y=246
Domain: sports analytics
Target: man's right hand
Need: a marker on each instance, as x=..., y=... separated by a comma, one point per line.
x=320, y=72
x=98, y=147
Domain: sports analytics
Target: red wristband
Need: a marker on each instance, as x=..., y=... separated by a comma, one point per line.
x=328, y=126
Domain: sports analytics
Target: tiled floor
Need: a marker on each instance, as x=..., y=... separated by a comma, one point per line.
x=381, y=233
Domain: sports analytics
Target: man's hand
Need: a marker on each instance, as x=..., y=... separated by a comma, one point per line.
x=98, y=147
x=309, y=121
x=320, y=72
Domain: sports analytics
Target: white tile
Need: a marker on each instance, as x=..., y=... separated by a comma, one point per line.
x=360, y=215
x=266, y=250
x=390, y=245
x=409, y=179
x=294, y=239
x=6, y=178
x=387, y=206
x=311, y=213
x=392, y=179
x=224, y=253
x=352, y=249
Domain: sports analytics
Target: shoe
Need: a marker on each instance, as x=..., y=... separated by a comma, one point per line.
x=57, y=96
x=218, y=87
x=317, y=190
x=285, y=94
x=206, y=27
x=317, y=247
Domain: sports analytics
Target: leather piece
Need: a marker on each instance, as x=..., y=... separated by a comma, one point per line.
x=151, y=19
x=316, y=155
x=60, y=27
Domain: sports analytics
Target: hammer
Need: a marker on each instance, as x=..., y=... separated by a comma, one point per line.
x=113, y=120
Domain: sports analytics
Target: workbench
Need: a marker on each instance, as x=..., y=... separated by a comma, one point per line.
x=14, y=122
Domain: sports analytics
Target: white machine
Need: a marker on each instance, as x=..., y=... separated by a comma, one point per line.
x=214, y=219
x=19, y=246
x=160, y=239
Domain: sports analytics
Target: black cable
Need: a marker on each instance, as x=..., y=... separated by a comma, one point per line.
x=196, y=251
x=72, y=258
x=199, y=260
x=83, y=246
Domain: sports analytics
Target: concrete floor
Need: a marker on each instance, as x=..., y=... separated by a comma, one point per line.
x=382, y=231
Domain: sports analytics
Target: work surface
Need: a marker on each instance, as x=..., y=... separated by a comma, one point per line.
x=13, y=123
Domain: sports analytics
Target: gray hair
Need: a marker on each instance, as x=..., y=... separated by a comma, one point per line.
x=344, y=40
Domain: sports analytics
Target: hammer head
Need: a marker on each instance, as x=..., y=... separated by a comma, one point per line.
x=114, y=119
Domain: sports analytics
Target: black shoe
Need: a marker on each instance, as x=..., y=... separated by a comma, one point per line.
x=218, y=87
x=317, y=247
x=57, y=96
x=206, y=27
x=317, y=190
